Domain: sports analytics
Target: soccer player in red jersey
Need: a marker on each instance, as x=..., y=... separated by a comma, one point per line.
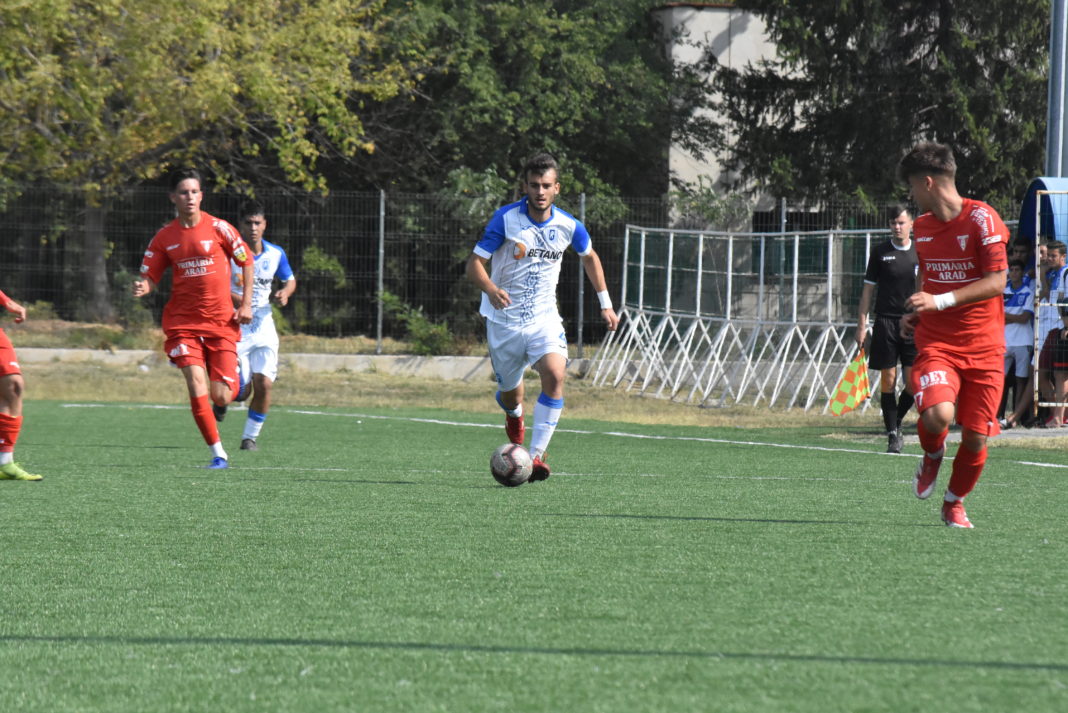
x=202, y=327
x=11, y=388
x=958, y=318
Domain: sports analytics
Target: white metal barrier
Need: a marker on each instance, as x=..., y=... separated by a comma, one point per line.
x=718, y=319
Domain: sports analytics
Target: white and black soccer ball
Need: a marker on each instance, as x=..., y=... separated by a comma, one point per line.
x=511, y=465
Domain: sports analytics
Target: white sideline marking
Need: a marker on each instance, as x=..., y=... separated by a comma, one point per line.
x=617, y=434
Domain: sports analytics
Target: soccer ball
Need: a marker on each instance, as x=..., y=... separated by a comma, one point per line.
x=511, y=465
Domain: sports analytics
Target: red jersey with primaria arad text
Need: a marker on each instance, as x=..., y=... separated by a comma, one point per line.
x=200, y=302
x=954, y=254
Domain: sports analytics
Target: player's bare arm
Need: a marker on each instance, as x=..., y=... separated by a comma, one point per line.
x=862, y=317
x=286, y=292
x=991, y=284
x=1022, y=318
x=476, y=272
x=16, y=309
x=595, y=272
x=248, y=276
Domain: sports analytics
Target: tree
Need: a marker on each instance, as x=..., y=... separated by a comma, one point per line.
x=856, y=82
x=116, y=92
x=588, y=81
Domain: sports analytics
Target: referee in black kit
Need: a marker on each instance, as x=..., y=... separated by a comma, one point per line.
x=891, y=274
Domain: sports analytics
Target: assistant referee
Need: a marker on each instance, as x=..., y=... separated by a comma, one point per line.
x=891, y=275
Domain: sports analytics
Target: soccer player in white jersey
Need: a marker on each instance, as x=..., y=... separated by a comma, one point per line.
x=523, y=245
x=258, y=349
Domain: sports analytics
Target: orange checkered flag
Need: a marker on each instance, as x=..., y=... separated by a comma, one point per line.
x=853, y=387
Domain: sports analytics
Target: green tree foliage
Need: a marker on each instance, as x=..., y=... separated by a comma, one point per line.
x=587, y=81
x=112, y=92
x=857, y=82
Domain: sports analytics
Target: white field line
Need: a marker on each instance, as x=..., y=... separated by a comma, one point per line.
x=615, y=434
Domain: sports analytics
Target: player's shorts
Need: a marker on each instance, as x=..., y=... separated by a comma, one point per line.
x=218, y=356
x=258, y=347
x=888, y=347
x=1018, y=361
x=512, y=349
x=9, y=362
x=973, y=383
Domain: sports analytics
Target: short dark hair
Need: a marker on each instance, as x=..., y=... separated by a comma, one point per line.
x=927, y=159
x=539, y=164
x=1017, y=263
x=1057, y=245
x=899, y=208
x=250, y=208
x=182, y=174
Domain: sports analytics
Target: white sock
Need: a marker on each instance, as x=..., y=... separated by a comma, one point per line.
x=7, y=457
x=951, y=498
x=218, y=451
x=546, y=416
x=254, y=424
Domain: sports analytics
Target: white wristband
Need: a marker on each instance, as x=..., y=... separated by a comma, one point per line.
x=604, y=299
x=944, y=301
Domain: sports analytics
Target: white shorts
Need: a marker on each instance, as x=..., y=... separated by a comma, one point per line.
x=1018, y=360
x=512, y=349
x=258, y=347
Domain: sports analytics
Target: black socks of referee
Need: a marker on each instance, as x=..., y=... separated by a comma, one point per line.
x=894, y=409
x=889, y=407
x=904, y=403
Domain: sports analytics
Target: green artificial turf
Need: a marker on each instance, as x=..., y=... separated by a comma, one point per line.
x=365, y=560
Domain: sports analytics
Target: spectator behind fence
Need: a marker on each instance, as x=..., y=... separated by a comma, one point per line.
x=1019, y=341
x=1051, y=381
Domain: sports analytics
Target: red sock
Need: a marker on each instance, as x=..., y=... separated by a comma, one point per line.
x=9, y=432
x=205, y=419
x=967, y=467
x=931, y=443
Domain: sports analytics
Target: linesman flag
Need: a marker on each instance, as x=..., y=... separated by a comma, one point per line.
x=853, y=388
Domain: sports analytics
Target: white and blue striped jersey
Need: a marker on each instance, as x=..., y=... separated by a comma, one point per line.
x=271, y=263
x=525, y=260
x=1018, y=301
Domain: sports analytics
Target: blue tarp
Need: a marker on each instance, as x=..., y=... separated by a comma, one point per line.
x=1054, y=225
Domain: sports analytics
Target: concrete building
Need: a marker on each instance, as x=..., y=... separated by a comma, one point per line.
x=736, y=38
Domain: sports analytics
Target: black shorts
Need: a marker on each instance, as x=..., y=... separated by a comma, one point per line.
x=888, y=347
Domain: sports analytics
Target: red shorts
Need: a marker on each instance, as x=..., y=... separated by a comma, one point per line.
x=972, y=383
x=218, y=355
x=9, y=362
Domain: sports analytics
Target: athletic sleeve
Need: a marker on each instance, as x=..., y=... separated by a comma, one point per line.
x=232, y=243
x=284, y=271
x=580, y=239
x=871, y=274
x=155, y=260
x=993, y=239
x=492, y=236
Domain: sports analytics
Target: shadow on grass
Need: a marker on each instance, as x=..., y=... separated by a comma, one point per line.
x=528, y=650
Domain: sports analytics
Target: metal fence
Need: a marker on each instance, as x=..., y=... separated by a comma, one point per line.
x=61, y=247
x=719, y=319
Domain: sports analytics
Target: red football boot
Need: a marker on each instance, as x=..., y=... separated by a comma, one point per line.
x=541, y=471
x=513, y=426
x=954, y=516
